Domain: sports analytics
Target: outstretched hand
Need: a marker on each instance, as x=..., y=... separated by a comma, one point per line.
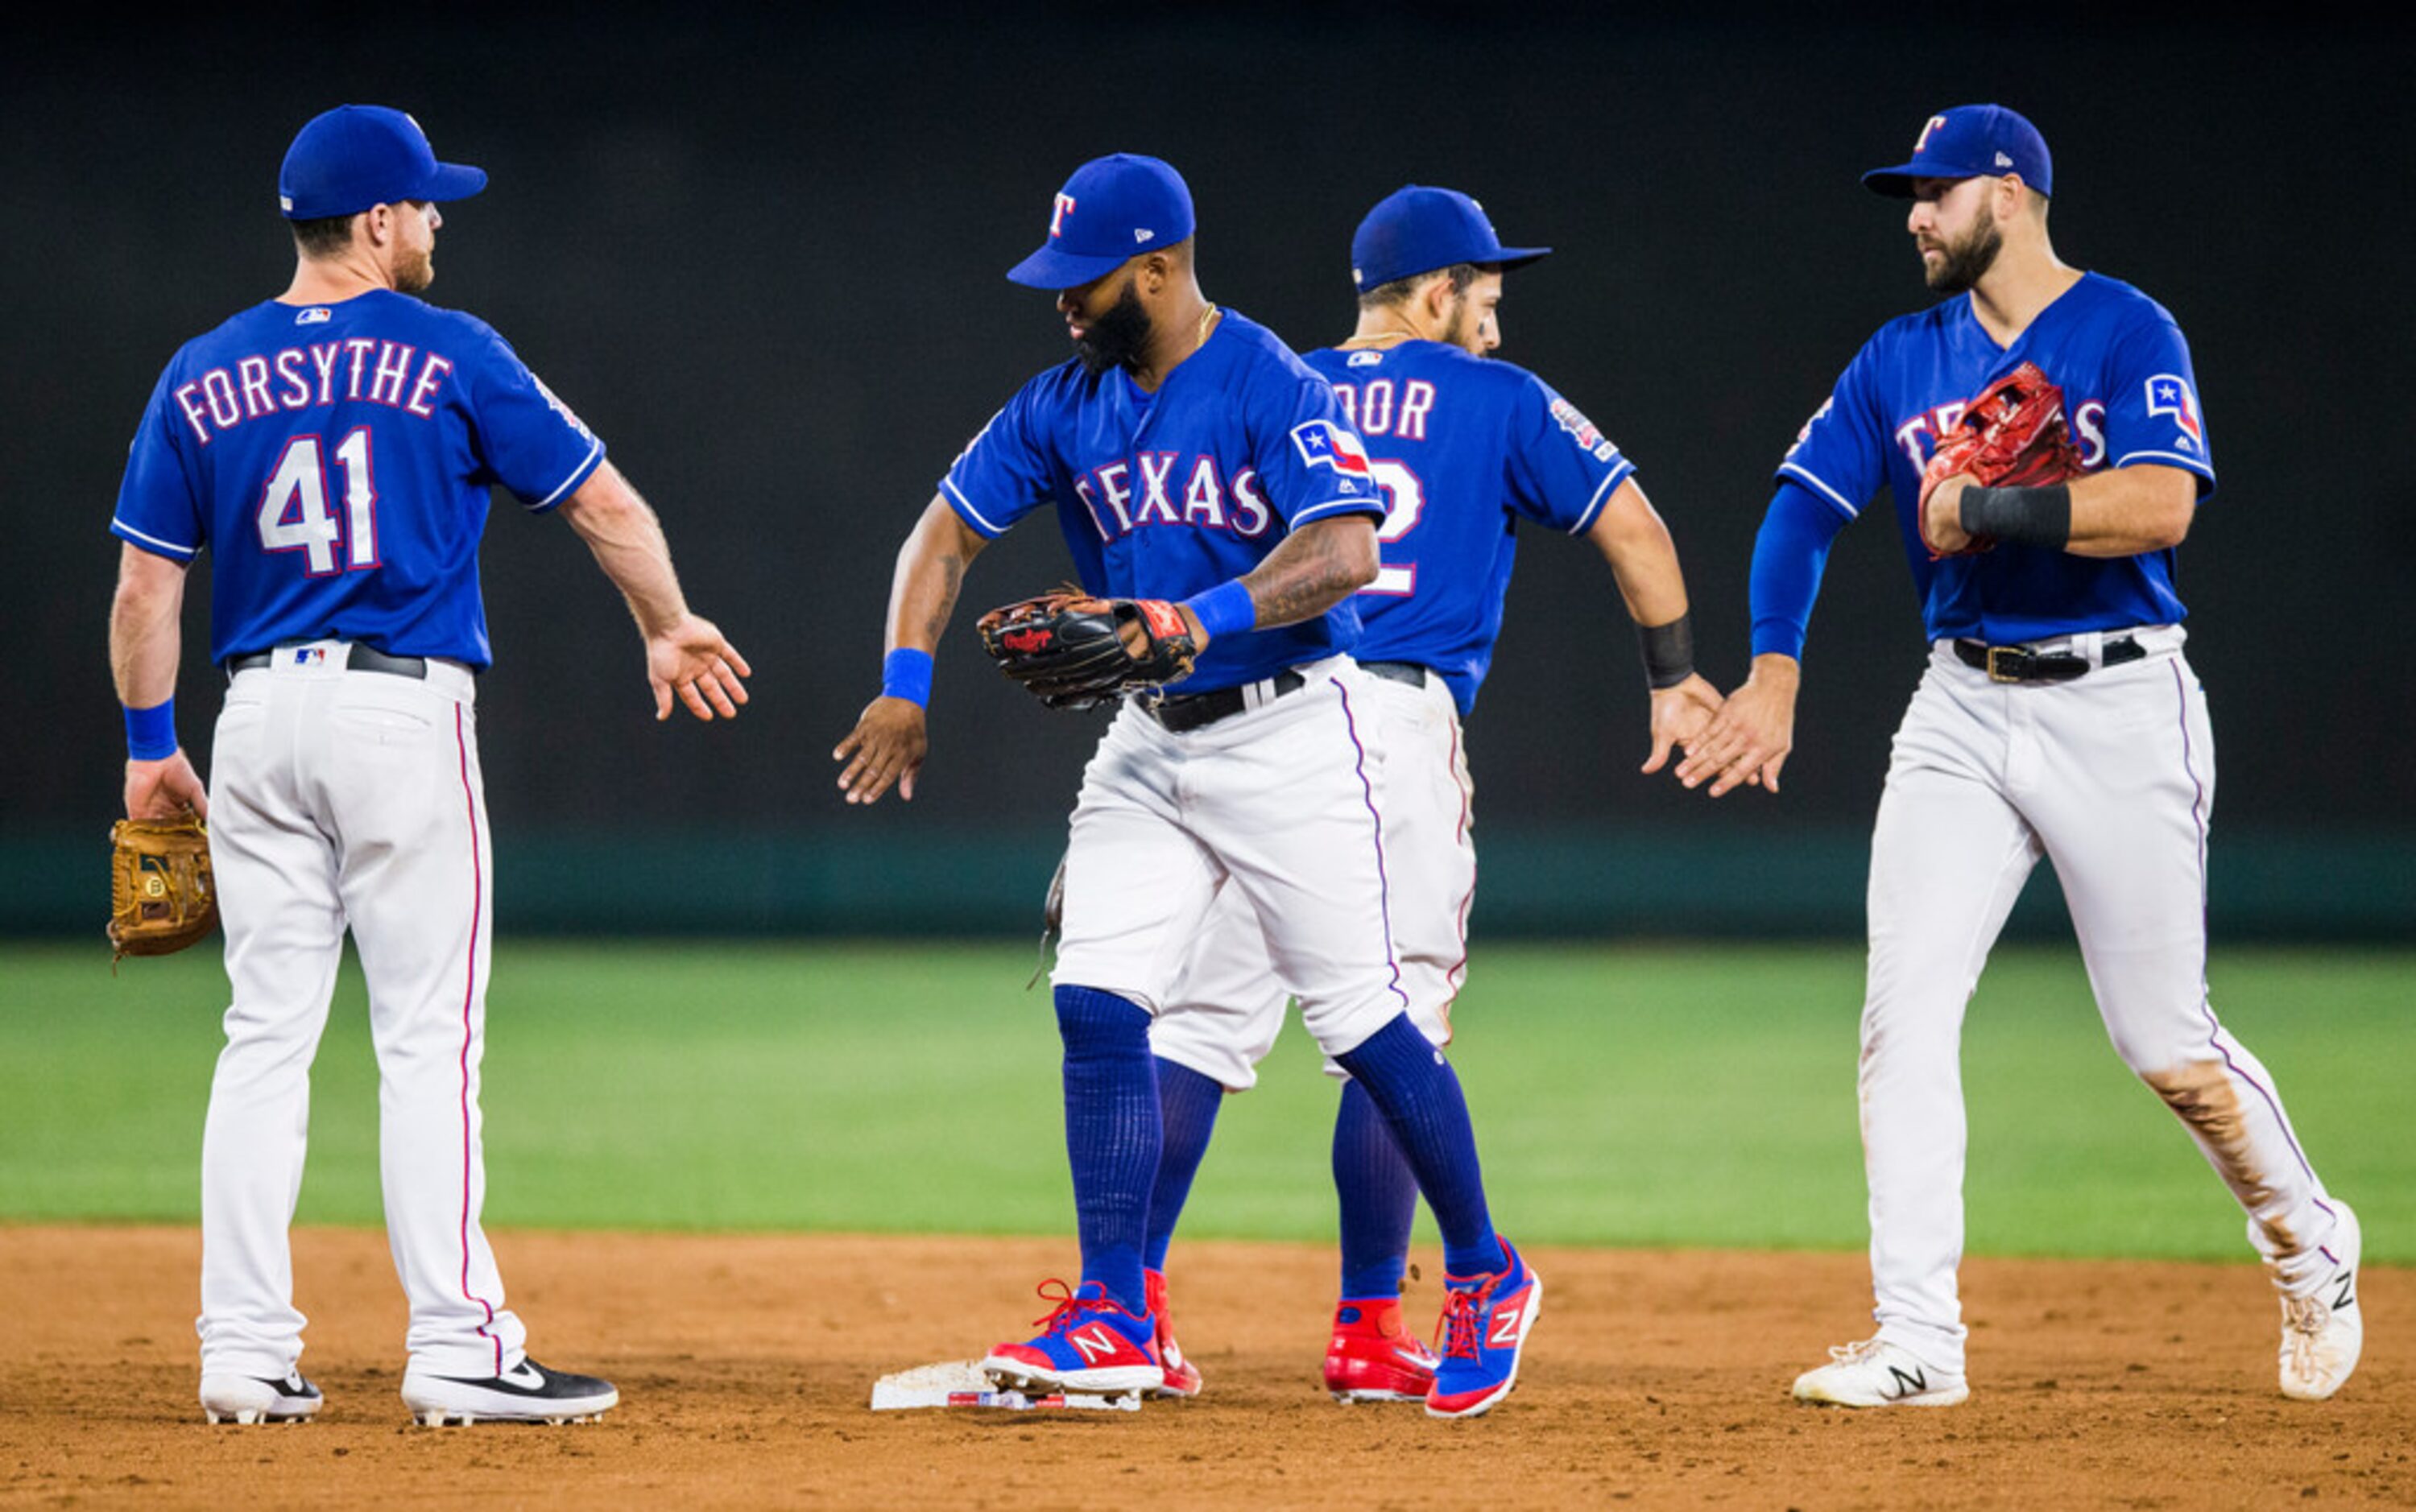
x=1681, y=713
x=690, y=658
x=1748, y=740
x=886, y=746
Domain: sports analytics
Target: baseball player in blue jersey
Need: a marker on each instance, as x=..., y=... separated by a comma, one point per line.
x=1464, y=450
x=332, y=448
x=2057, y=717
x=1213, y=470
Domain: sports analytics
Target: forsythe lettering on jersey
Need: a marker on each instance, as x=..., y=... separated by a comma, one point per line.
x=2128, y=397
x=336, y=459
x=1163, y=495
x=1462, y=448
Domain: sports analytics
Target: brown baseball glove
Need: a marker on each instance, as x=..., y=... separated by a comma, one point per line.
x=1075, y=652
x=2012, y=435
x=162, y=898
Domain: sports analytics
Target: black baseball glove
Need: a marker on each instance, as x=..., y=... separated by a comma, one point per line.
x=1073, y=651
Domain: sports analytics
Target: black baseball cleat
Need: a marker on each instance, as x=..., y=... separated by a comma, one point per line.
x=526, y=1393
x=259, y=1399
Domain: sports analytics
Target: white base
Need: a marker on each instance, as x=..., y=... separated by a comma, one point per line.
x=961, y=1383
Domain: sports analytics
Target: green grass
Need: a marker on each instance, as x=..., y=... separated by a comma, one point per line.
x=1659, y=1096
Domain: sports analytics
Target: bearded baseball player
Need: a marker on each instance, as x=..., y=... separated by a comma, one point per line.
x=1214, y=493
x=2041, y=434
x=333, y=449
x=1464, y=450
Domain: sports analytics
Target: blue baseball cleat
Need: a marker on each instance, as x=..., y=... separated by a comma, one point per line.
x=1486, y=1320
x=1088, y=1342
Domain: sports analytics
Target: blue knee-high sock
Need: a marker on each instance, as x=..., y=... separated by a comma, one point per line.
x=1111, y=1133
x=1378, y=1196
x=1421, y=1102
x=1186, y=1106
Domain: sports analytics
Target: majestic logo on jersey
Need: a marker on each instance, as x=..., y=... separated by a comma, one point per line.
x=1323, y=443
x=1923, y=140
x=1057, y=216
x=2169, y=394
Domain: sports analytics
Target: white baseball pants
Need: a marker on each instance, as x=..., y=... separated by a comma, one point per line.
x=350, y=799
x=2112, y=776
x=1221, y=1015
x=1280, y=805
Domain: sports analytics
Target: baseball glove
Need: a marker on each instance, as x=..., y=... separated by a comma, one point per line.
x=162, y=898
x=2012, y=435
x=1072, y=650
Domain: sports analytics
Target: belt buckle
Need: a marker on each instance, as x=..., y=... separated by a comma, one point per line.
x=2008, y=652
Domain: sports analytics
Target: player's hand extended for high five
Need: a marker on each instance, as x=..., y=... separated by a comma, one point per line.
x=886, y=746
x=1747, y=742
x=689, y=657
x=1681, y=712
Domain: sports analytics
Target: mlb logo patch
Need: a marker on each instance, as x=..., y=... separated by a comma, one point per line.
x=1323, y=443
x=309, y=655
x=315, y=315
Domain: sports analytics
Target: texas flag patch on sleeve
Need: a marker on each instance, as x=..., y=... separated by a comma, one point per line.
x=2169, y=394
x=1323, y=443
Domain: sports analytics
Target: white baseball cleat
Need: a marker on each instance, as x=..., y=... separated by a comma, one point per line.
x=2323, y=1331
x=526, y=1393
x=1874, y=1373
x=250, y=1398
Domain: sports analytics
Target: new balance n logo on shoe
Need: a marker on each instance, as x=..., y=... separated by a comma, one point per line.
x=1094, y=1343
x=2346, y=1297
x=1505, y=1327
x=1908, y=1382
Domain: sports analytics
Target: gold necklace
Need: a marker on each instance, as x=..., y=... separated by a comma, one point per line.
x=1205, y=317
x=1382, y=335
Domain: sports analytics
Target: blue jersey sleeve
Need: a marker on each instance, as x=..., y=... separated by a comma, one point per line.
x=1310, y=462
x=531, y=442
x=2151, y=411
x=1841, y=453
x=1789, y=556
x=1561, y=469
x=1007, y=471
x=159, y=509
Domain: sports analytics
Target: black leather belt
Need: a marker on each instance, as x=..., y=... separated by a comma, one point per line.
x=362, y=659
x=1409, y=672
x=1200, y=710
x=2019, y=663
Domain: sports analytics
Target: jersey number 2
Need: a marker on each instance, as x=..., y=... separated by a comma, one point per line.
x=294, y=508
x=1405, y=500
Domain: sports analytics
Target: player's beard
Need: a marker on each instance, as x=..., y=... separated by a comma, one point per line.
x=413, y=272
x=1118, y=338
x=1460, y=329
x=1967, y=261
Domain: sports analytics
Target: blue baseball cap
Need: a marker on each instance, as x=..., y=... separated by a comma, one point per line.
x=1970, y=142
x=357, y=156
x=1112, y=209
x=1417, y=230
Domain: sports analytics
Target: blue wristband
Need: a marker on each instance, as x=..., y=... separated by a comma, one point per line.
x=1224, y=608
x=151, y=733
x=906, y=673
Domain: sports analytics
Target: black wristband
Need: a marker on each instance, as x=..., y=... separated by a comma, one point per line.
x=1669, y=651
x=2024, y=516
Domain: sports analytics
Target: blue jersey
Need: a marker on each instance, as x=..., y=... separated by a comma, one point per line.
x=1164, y=494
x=2128, y=397
x=336, y=459
x=1463, y=447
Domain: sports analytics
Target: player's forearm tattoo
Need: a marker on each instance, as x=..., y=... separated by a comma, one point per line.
x=1308, y=574
x=952, y=581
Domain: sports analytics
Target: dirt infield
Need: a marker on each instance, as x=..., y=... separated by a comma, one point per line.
x=746, y=1365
